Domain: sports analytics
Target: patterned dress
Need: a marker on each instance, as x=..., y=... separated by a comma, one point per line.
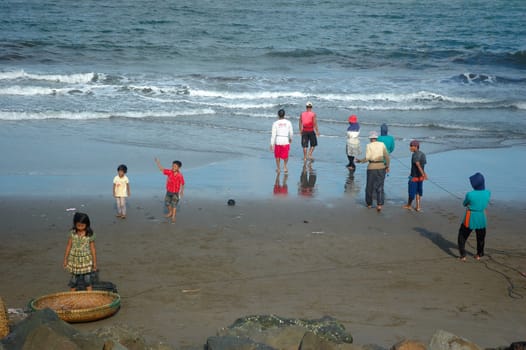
x=80, y=260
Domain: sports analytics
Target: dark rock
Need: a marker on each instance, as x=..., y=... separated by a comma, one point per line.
x=312, y=341
x=443, y=340
x=234, y=343
x=44, y=337
x=520, y=345
x=284, y=333
x=231, y=202
x=372, y=347
x=43, y=329
x=124, y=335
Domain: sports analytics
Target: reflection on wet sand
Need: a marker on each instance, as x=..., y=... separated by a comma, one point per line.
x=281, y=189
x=307, y=184
x=351, y=187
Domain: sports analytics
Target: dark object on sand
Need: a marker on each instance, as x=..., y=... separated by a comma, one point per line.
x=105, y=286
x=97, y=284
x=79, y=306
x=231, y=202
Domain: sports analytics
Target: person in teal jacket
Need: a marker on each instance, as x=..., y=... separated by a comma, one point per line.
x=388, y=140
x=476, y=202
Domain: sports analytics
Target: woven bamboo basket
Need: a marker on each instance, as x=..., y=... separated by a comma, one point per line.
x=4, y=320
x=83, y=306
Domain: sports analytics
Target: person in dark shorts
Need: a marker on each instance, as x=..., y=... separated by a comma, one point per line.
x=417, y=176
x=174, y=186
x=309, y=131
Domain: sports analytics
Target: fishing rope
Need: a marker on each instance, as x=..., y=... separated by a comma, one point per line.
x=279, y=275
x=512, y=293
x=512, y=289
x=454, y=195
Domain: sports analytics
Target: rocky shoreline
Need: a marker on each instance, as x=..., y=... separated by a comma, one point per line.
x=43, y=329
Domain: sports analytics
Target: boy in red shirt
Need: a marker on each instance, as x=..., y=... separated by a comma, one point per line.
x=174, y=186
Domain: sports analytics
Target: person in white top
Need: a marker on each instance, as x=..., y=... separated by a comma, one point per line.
x=378, y=157
x=121, y=190
x=353, y=142
x=280, y=140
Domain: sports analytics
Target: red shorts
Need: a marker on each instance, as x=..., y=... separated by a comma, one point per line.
x=281, y=151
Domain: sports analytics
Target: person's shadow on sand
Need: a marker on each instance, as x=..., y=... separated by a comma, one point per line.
x=444, y=244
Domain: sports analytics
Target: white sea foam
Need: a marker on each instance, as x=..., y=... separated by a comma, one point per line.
x=247, y=95
x=375, y=101
x=76, y=78
x=421, y=96
x=9, y=115
x=31, y=91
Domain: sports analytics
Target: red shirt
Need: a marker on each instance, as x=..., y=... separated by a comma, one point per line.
x=174, y=181
x=307, y=121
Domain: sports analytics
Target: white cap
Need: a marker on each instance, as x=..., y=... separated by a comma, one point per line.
x=309, y=104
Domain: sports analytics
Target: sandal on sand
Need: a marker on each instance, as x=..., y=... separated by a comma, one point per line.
x=378, y=208
x=477, y=257
x=462, y=258
x=408, y=207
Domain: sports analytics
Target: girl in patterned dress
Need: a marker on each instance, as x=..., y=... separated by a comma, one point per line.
x=81, y=257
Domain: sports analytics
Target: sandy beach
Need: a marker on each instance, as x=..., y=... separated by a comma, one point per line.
x=386, y=276
x=86, y=86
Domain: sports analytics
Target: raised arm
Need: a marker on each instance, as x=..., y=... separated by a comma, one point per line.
x=159, y=164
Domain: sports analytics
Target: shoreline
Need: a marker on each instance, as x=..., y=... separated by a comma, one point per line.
x=255, y=177
x=386, y=276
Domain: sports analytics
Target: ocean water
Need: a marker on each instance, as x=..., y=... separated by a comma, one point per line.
x=209, y=76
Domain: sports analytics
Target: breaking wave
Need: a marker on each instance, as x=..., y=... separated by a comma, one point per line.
x=77, y=78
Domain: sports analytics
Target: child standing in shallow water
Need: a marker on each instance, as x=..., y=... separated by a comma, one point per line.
x=174, y=186
x=81, y=257
x=476, y=203
x=121, y=190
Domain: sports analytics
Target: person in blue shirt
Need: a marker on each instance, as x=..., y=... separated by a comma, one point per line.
x=476, y=202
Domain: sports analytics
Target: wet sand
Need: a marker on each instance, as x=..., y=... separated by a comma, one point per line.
x=386, y=276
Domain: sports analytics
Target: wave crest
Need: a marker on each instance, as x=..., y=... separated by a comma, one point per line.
x=75, y=78
x=74, y=115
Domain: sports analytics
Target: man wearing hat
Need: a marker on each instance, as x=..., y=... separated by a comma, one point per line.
x=378, y=157
x=308, y=130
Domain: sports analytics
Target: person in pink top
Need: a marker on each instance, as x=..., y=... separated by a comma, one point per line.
x=308, y=130
x=174, y=186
